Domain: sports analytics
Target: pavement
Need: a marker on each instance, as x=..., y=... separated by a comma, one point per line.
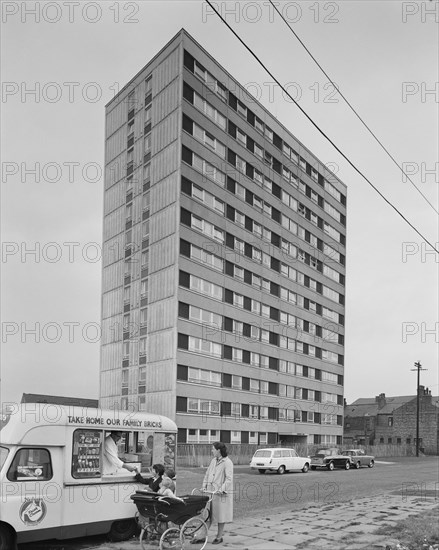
x=337, y=526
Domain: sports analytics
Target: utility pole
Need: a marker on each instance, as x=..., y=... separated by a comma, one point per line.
x=418, y=368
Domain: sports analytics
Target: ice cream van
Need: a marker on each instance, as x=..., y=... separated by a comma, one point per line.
x=54, y=478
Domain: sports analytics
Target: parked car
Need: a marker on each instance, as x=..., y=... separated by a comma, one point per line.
x=360, y=458
x=330, y=459
x=278, y=460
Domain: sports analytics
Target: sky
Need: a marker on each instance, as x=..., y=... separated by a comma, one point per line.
x=62, y=63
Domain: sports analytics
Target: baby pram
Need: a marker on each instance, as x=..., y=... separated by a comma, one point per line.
x=187, y=516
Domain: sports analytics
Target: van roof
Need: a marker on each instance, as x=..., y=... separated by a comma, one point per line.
x=45, y=423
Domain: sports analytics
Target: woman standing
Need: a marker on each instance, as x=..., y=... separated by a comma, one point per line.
x=219, y=479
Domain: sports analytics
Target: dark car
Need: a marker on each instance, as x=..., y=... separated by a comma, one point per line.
x=330, y=459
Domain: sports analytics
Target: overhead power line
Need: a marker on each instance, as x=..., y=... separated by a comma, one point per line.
x=320, y=130
x=353, y=109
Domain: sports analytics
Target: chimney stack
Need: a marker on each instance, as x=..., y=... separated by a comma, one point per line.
x=381, y=400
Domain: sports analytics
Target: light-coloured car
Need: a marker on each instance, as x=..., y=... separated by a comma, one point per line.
x=278, y=460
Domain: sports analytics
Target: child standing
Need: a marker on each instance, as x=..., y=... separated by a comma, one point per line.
x=171, y=475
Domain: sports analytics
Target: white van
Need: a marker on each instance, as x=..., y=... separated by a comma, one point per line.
x=279, y=460
x=52, y=484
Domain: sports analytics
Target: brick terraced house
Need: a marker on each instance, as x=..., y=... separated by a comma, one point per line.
x=392, y=421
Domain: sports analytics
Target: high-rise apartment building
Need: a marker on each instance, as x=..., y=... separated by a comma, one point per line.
x=224, y=261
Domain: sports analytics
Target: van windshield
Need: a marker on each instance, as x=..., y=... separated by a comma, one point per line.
x=261, y=454
x=3, y=456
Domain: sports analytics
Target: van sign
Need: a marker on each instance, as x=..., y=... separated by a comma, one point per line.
x=113, y=422
x=33, y=511
x=4, y=419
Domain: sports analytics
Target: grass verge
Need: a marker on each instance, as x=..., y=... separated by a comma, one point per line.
x=416, y=532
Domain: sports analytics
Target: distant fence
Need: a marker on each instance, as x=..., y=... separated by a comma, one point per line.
x=199, y=455
x=398, y=450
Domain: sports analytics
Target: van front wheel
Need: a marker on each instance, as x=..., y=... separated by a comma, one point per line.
x=123, y=529
x=7, y=538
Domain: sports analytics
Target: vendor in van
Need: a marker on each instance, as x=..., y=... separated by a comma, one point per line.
x=111, y=461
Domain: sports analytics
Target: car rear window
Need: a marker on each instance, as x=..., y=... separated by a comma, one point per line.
x=263, y=454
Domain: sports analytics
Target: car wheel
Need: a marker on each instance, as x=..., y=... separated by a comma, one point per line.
x=371, y=464
x=347, y=465
x=7, y=538
x=261, y=471
x=305, y=467
x=281, y=470
x=313, y=467
x=122, y=530
x=330, y=466
x=357, y=465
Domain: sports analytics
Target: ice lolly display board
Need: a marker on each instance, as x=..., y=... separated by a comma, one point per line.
x=86, y=453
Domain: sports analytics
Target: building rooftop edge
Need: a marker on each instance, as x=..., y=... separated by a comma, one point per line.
x=173, y=39
x=183, y=32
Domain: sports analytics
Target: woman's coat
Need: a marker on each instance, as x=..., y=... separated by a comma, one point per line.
x=219, y=477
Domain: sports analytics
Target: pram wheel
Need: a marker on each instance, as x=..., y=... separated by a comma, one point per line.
x=193, y=534
x=205, y=514
x=149, y=537
x=171, y=539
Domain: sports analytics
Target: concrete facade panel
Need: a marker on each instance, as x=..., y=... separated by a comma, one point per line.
x=111, y=328
x=111, y=355
x=114, y=198
x=163, y=284
x=162, y=402
x=163, y=253
x=113, y=250
x=165, y=132
x=167, y=70
x=166, y=101
x=114, y=223
x=112, y=302
x=163, y=224
x=162, y=346
x=165, y=162
x=161, y=315
x=116, y=144
x=116, y=118
x=112, y=276
x=165, y=193
x=110, y=383
x=116, y=170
